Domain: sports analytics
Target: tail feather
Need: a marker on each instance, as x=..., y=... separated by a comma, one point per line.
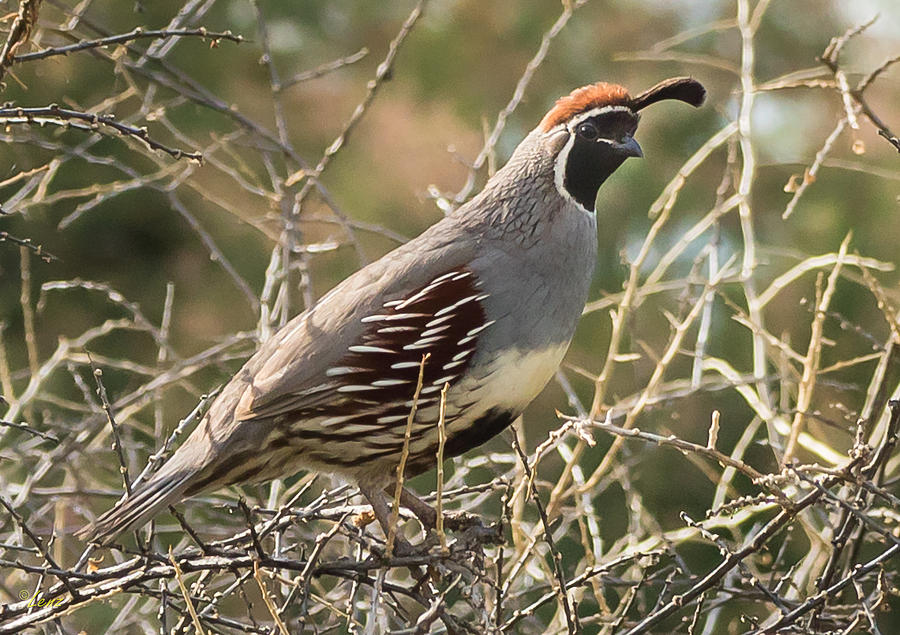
x=148, y=500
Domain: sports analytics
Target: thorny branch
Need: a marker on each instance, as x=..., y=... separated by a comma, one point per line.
x=136, y=34
x=91, y=122
x=831, y=59
x=28, y=243
x=19, y=33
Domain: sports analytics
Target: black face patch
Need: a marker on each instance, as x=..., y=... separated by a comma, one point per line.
x=594, y=155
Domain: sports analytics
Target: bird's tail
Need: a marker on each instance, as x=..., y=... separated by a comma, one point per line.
x=163, y=489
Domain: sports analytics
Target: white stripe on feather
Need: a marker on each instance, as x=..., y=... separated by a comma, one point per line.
x=356, y=388
x=341, y=370
x=368, y=349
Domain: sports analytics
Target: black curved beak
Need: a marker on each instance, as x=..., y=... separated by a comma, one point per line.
x=629, y=148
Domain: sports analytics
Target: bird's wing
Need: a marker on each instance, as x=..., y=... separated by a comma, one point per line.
x=389, y=305
x=372, y=376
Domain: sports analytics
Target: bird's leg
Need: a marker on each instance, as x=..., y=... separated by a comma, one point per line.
x=427, y=515
x=379, y=502
x=423, y=511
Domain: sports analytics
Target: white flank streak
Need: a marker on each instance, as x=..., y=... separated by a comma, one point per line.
x=415, y=347
x=333, y=421
x=431, y=287
x=449, y=275
x=443, y=380
x=434, y=284
x=396, y=329
x=315, y=389
x=402, y=365
x=413, y=298
x=369, y=349
x=437, y=330
x=464, y=274
x=460, y=303
x=391, y=419
x=389, y=382
x=425, y=342
x=428, y=390
x=462, y=355
x=437, y=321
x=403, y=316
x=479, y=329
x=391, y=303
x=466, y=340
x=340, y=370
x=421, y=403
x=450, y=365
x=355, y=388
x=357, y=428
x=373, y=318
x=445, y=310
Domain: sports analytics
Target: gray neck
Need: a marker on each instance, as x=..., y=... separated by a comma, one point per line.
x=547, y=240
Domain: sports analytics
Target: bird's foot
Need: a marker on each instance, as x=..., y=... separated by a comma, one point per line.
x=478, y=534
x=461, y=521
x=405, y=549
x=427, y=515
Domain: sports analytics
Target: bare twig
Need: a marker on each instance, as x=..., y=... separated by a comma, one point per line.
x=91, y=122
x=442, y=440
x=137, y=33
x=179, y=577
x=811, y=362
x=110, y=417
x=324, y=69
x=267, y=600
x=19, y=32
x=381, y=75
x=27, y=428
x=404, y=455
x=831, y=58
x=555, y=555
x=27, y=243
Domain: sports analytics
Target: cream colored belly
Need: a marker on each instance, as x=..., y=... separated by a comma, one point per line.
x=514, y=378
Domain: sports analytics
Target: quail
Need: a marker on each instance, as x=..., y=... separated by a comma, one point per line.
x=491, y=293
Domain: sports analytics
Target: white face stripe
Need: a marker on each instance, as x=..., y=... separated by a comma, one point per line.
x=593, y=112
x=599, y=111
x=559, y=174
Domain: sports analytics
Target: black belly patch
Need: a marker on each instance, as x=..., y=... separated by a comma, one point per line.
x=485, y=427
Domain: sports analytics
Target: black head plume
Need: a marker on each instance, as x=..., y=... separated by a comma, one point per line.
x=685, y=89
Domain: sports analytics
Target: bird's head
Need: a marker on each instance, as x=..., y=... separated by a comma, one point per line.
x=591, y=132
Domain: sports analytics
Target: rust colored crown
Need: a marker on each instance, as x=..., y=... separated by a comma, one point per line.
x=585, y=98
x=685, y=89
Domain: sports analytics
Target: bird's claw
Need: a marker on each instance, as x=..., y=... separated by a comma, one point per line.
x=460, y=521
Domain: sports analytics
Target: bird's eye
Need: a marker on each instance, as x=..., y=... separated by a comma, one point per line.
x=588, y=131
